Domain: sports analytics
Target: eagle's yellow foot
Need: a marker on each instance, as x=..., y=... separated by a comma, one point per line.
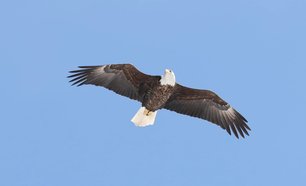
x=147, y=112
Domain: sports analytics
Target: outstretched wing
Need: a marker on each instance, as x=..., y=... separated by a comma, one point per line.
x=207, y=105
x=124, y=79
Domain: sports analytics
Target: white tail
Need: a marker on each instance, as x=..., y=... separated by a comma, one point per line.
x=144, y=118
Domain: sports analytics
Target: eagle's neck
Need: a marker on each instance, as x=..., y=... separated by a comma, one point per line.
x=168, y=79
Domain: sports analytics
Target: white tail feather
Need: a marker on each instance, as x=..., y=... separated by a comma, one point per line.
x=144, y=118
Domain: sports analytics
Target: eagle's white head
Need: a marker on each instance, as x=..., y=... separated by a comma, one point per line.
x=168, y=78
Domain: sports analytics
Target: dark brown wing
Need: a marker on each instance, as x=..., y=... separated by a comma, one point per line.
x=123, y=79
x=207, y=105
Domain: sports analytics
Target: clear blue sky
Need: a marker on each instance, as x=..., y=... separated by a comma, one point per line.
x=251, y=52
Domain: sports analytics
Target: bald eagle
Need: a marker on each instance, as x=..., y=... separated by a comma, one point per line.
x=158, y=92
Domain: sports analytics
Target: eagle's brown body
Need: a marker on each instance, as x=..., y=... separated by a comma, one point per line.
x=156, y=97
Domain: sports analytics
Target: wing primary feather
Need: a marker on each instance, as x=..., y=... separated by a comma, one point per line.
x=242, y=126
x=234, y=130
x=246, y=126
x=228, y=123
x=245, y=131
x=240, y=123
x=240, y=116
x=227, y=128
x=79, y=82
x=223, y=120
x=77, y=71
x=233, y=117
x=240, y=131
x=89, y=67
x=79, y=74
x=78, y=77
